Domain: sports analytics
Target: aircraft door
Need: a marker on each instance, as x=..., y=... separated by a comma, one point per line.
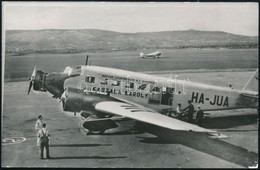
x=167, y=96
x=155, y=96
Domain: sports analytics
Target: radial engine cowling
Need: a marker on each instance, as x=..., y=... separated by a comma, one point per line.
x=97, y=126
x=75, y=100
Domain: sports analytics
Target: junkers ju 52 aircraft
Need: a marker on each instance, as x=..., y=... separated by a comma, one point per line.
x=156, y=54
x=104, y=96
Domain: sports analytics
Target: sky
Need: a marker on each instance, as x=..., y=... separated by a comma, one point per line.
x=131, y=17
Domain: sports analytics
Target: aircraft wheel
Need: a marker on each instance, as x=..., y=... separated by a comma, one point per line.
x=96, y=132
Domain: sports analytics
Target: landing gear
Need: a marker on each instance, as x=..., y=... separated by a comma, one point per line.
x=91, y=132
x=96, y=132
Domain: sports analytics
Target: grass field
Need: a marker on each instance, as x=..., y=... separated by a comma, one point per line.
x=20, y=67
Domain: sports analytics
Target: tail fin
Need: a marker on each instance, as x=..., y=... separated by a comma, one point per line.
x=141, y=54
x=252, y=84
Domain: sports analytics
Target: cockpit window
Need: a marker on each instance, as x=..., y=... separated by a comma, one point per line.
x=72, y=71
x=67, y=70
x=130, y=85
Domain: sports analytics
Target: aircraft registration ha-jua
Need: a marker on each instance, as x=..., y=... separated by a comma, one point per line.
x=103, y=96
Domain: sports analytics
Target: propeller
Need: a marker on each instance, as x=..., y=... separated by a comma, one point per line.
x=63, y=96
x=30, y=86
x=32, y=79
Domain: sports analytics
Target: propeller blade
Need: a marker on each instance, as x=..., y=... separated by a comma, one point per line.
x=34, y=73
x=63, y=96
x=30, y=86
x=86, y=61
x=32, y=79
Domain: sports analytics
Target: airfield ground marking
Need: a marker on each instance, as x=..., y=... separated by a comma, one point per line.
x=14, y=140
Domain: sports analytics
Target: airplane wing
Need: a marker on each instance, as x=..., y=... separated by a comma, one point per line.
x=152, y=54
x=151, y=117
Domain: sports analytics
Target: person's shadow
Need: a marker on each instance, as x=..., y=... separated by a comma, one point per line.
x=79, y=145
x=84, y=157
x=89, y=157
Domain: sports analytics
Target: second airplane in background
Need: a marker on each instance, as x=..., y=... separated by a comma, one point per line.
x=156, y=54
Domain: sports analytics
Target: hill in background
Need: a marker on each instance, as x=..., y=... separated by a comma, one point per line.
x=20, y=42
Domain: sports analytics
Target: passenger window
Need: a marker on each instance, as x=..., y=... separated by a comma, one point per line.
x=116, y=83
x=142, y=87
x=104, y=82
x=90, y=79
x=130, y=85
x=156, y=89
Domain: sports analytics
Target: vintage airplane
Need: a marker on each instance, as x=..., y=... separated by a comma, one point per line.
x=156, y=54
x=104, y=96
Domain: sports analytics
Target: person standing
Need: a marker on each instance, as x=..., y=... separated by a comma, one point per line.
x=179, y=111
x=190, y=109
x=199, y=116
x=43, y=134
x=38, y=126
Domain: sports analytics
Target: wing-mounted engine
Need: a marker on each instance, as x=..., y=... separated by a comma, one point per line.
x=51, y=82
x=76, y=100
x=94, y=121
x=94, y=125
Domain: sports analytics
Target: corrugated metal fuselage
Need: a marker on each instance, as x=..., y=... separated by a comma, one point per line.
x=157, y=92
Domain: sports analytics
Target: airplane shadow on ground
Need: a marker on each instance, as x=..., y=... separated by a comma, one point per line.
x=127, y=132
x=79, y=145
x=229, y=121
x=84, y=157
x=200, y=142
x=126, y=127
x=89, y=157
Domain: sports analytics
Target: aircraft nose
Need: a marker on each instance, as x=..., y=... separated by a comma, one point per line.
x=37, y=80
x=54, y=83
